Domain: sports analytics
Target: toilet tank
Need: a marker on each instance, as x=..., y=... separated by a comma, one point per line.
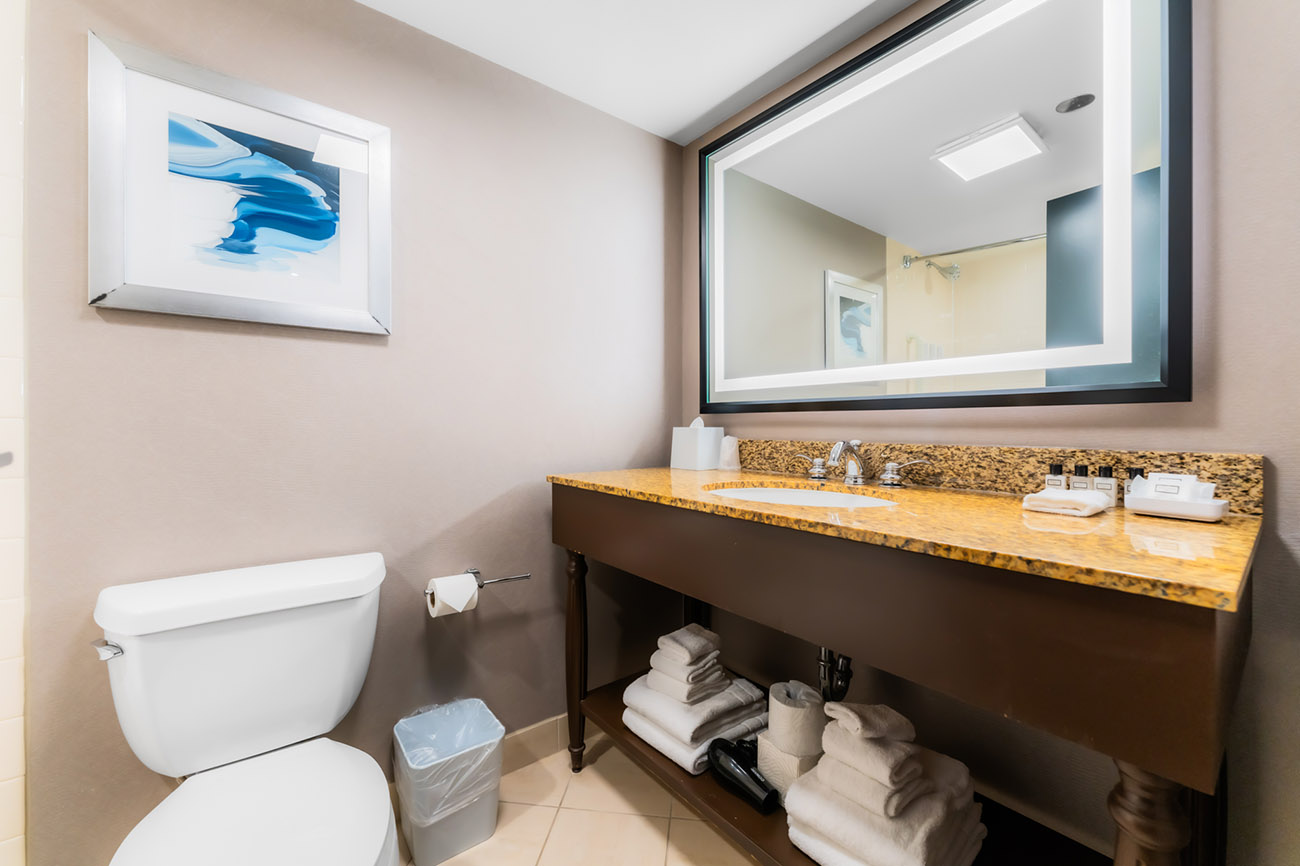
x=221, y=666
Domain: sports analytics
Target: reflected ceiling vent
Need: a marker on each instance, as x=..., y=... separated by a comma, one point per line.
x=986, y=150
x=1074, y=103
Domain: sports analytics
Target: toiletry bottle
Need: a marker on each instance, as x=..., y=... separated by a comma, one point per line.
x=1080, y=480
x=1133, y=472
x=1055, y=477
x=1105, y=483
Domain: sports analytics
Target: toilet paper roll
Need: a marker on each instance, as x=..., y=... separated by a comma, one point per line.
x=780, y=768
x=796, y=717
x=455, y=593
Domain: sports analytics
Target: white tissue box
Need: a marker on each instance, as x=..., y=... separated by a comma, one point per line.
x=696, y=447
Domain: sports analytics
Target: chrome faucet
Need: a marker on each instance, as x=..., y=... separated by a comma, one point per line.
x=853, y=463
x=816, y=467
x=891, y=477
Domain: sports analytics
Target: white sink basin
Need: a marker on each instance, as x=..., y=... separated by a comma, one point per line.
x=800, y=496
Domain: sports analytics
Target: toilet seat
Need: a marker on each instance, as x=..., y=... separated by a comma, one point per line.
x=318, y=802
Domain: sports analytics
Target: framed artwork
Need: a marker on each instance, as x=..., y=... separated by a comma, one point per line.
x=212, y=197
x=855, y=322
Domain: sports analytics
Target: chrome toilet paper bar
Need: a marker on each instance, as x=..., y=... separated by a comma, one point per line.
x=478, y=578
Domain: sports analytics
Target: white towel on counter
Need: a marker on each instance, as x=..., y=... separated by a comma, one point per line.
x=796, y=718
x=688, y=693
x=889, y=762
x=702, y=667
x=867, y=792
x=928, y=833
x=693, y=758
x=1078, y=503
x=691, y=723
x=779, y=767
x=871, y=721
x=689, y=643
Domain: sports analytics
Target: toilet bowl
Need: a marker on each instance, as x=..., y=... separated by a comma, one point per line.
x=229, y=679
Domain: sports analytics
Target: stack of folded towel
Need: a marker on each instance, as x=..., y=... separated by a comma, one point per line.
x=688, y=700
x=878, y=799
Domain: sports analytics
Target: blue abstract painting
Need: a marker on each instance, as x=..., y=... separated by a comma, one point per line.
x=280, y=205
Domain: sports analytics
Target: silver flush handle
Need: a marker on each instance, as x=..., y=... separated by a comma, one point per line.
x=106, y=649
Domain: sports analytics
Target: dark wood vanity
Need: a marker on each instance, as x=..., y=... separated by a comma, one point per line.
x=1089, y=652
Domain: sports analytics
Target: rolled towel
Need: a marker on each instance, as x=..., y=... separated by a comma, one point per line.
x=819, y=848
x=691, y=758
x=691, y=723
x=949, y=775
x=889, y=762
x=871, y=721
x=688, y=693
x=702, y=667
x=781, y=768
x=921, y=836
x=1078, y=503
x=689, y=643
x=796, y=717
x=866, y=791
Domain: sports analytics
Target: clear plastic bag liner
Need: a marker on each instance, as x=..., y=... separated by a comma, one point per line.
x=444, y=757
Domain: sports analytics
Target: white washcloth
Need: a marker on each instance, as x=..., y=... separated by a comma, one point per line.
x=889, y=762
x=795, y=718
x=689, y=643
x=688, y=693
x=866, y=791
x=691, y=723
x=691, y=673
x=827, y=853
x=925, y=834
x=871, y=720
x=949, y=775
x=1079, y=503
x=692, y=759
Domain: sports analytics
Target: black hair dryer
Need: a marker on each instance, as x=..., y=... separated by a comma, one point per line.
x=736, y=767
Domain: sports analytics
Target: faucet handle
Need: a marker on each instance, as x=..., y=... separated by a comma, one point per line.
x=816, y=468
x=891, y=476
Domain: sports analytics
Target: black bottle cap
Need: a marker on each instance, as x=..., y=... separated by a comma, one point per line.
x=1081, y=470
x=1104, y=472
x=1055, y=469
x=1136, y=472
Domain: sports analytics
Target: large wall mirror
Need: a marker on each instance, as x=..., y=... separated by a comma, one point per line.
x=991, y=207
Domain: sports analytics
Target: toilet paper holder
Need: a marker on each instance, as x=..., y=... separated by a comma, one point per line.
x=478, y=578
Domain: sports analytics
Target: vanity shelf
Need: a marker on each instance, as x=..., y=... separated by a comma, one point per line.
x=1013, y=839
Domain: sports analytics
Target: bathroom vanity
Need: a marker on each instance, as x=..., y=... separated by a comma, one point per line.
x=1123, y=633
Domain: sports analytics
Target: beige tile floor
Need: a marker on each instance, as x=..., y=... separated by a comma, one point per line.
x=610, y=813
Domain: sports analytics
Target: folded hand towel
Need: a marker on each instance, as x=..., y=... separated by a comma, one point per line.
x=796, y=718
x=688, y=693
x=949, y=775
x=1080, y=503
x=866, y=791
x=702, y=667
x=693, y=723
x=779, y=767
x=921, y=836
x=871, y=720
x=821, y=849
x=692, y=759
x=689, y=643
x=889, y=762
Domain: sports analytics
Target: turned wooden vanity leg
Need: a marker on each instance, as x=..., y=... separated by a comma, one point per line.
x=575, y=654
x=1153, y=827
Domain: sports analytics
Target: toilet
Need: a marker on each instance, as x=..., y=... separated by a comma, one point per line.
x=230, y=679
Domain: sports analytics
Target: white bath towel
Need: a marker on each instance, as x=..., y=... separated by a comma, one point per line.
x=868, y=793
x=688, y=693
x=1079, y=503
x=691, y=758
x=796, y=718
x=693, y=723
x=889, y=762
x=689, y=643
x=871, y=720
x=948, y=775
x=925, y=834
x=697, y=670
x=827, y=853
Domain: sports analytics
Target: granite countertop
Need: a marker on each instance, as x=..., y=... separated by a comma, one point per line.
x=1202, y=564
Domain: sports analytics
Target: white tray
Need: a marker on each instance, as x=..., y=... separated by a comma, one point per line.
x=1204, y=510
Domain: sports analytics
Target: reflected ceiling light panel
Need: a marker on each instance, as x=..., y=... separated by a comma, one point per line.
x=986, y=150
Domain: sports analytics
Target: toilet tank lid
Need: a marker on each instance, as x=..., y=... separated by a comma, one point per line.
x=177, y=602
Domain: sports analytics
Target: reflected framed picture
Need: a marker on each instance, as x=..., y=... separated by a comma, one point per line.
x=855, y=321
x=209, y=196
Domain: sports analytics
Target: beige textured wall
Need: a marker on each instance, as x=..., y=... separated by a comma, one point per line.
x=535, y=266
x=1247, y=207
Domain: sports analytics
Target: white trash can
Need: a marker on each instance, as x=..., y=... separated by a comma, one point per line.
x=447, y=766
